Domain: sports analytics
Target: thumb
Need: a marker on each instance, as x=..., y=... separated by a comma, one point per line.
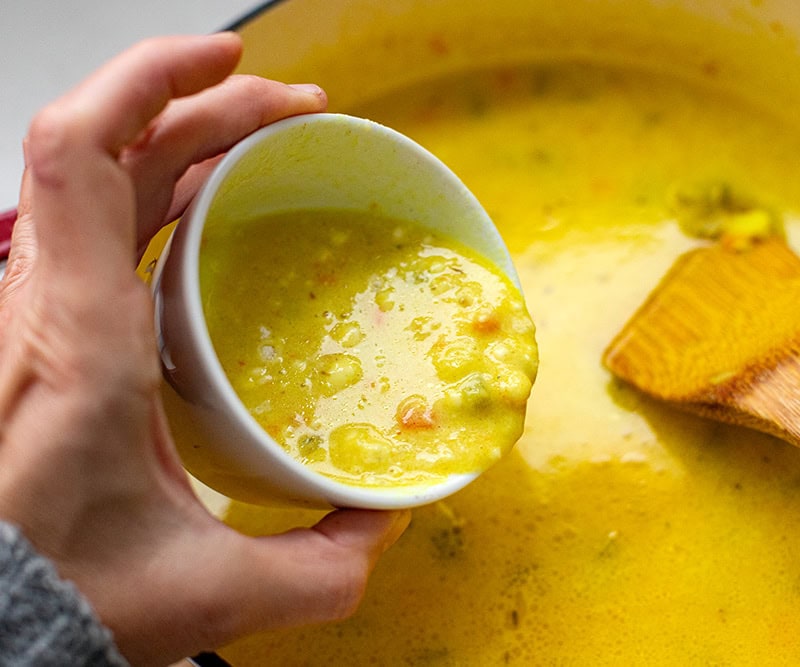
x=362, y=529
x=316, y=574
x=242, y=585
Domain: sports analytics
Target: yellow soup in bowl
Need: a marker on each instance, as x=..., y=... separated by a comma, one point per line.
x=618, y=531
x=373, y=350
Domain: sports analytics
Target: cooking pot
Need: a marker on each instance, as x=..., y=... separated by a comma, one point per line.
x=360, y=50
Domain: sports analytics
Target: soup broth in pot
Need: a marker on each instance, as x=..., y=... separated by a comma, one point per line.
x=618, y=531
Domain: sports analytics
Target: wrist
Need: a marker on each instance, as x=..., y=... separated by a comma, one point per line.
x=46, y=620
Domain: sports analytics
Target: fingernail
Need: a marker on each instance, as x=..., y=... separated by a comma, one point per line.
x=398, y=527
x=227, y=34
x=310, y=88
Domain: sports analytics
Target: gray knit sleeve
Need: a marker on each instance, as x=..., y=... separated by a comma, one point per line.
x=44, y=620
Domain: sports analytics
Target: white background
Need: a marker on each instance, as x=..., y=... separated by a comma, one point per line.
x=46, y=46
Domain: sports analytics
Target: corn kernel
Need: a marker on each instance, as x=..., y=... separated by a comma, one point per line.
x=383, y=299
x=336, y=372
x=347, y=334
x=513, y=386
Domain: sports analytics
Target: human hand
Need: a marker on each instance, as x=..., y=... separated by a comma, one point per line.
x=87, y=466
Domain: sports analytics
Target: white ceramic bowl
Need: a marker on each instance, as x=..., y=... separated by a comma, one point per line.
x=304, y=162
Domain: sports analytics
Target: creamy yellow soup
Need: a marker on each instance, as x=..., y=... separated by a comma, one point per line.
x=373, y=350
x=619, y=532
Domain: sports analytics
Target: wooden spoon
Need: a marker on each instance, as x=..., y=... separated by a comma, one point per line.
x=720, y=336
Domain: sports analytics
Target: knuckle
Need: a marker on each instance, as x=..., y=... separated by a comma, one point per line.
x=51, y=136
x=149, y=48
x=147, y=44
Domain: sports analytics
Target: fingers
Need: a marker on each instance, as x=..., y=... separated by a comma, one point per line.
x=118, y=101
x=84, y=201
x=201, y=127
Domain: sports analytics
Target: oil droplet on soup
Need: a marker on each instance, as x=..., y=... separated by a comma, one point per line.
x=618, y=532
x=373, y=351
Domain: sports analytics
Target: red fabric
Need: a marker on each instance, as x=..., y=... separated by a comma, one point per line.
x=7, y=220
